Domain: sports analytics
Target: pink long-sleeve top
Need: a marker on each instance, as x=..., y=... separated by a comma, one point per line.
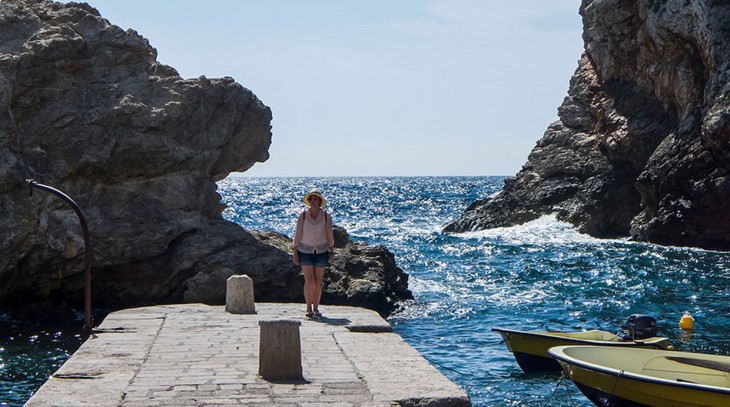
x=314, y=235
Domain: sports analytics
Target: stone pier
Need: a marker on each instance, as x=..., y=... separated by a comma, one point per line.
x=200, y=355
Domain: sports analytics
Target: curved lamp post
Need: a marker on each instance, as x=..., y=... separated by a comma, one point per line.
x=87, y=247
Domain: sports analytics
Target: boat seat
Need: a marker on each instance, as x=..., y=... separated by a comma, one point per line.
x=710, y=364
x=692, y=370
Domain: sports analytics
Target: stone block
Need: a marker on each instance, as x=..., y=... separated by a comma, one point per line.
x=239, y=295
x=280, y=350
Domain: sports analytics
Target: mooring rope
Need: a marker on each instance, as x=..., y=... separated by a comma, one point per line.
x=453, y=370
x=557, y=385
x=615, y=383
x=426, y=343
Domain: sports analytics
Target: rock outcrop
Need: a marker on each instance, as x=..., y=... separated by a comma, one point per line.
x=642, y=144
x=360, y=275
x=85, y=107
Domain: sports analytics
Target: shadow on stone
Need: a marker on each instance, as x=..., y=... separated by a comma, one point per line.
x=287, y=381
x=332, y=321
x=370, y=328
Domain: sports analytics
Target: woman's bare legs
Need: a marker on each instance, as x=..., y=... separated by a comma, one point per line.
x=317, y=292
x=309, y=290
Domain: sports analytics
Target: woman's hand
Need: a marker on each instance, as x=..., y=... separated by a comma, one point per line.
x=295, y=258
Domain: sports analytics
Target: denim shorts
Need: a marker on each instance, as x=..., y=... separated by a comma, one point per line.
x=314, y=259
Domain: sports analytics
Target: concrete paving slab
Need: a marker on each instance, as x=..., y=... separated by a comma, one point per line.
x=200, y=355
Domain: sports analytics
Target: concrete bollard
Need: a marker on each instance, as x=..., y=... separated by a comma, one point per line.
x=239, y=295
x=280, y=350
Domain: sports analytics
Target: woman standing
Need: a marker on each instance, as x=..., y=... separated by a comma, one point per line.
x=313, y=249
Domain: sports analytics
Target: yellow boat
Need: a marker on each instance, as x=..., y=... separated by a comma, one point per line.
x=618, y=377
x=530, y=348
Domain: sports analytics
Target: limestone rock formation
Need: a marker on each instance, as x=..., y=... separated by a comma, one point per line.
x=360, y=275
x=85, y=107
x=642, y=144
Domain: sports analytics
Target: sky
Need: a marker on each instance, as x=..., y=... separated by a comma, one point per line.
x=378, y=87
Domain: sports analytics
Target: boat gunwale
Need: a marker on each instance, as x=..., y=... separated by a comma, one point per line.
x=558, y=353
x=546, y=334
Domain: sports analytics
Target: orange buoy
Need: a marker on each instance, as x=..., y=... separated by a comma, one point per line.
x=687, y=321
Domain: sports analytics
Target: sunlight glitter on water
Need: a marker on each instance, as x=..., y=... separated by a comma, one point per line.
x=540, y=275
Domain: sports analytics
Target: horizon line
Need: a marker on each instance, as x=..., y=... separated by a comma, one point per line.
x=244, y=175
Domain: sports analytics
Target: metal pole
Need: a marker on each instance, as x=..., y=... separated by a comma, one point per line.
x=87, y=247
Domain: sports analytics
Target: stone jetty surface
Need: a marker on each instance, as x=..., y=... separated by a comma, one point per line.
x=200, y=355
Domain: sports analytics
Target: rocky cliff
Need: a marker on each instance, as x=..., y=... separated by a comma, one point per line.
x=642, y=144
x=85, y=107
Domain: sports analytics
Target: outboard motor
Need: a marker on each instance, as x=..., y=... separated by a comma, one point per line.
x=639, y=326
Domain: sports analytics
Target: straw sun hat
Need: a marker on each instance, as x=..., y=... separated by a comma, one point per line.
x=317, y=194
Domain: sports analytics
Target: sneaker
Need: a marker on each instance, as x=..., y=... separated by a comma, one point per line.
x=317, y=314
x=309, y=314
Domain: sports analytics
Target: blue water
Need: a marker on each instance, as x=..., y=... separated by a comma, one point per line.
x=541, y=275
x=29, y=353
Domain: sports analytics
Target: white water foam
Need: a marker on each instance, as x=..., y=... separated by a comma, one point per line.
x=546, y=229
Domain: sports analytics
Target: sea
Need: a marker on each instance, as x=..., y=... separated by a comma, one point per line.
x=542, y=275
